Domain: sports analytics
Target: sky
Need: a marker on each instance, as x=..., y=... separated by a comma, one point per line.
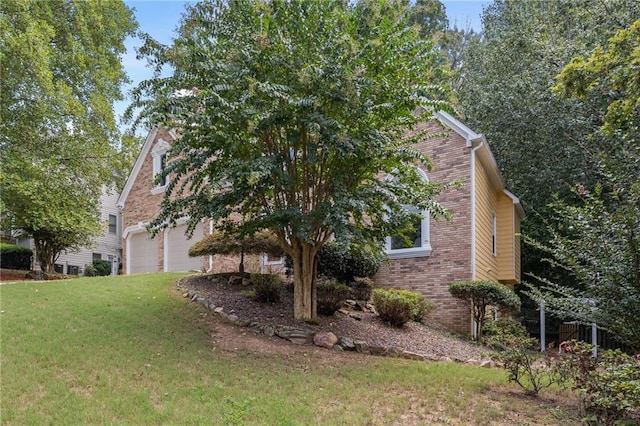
x=159, y=19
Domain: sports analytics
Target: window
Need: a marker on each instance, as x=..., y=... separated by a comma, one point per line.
x=418, y=243
x=159, y=154
x=113, y=224
x=97, y=256
x=494, y=240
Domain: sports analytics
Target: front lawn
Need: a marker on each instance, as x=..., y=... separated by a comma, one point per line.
x=130, y=350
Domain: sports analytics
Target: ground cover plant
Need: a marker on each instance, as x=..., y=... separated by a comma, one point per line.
x=131, y=350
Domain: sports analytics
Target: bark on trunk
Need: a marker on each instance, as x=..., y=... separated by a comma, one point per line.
x=304, y=273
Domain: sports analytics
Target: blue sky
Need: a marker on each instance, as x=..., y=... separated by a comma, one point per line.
x=159, y=19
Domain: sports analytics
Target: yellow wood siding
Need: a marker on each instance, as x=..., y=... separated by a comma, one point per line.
x=485, y=206
x=508, y=246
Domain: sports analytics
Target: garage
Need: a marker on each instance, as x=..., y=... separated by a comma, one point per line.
x=142, y=253
x=177, y=249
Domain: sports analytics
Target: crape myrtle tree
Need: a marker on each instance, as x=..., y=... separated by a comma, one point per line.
x=288, y=114
x=597, y=239
x=60, y=74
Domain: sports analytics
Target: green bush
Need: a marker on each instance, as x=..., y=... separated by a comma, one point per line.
x=397, y=307
x=609, y=385
x=482, y=294
x=503, y=327
x=361, y=288
x=344, y=263
x=530, y=369
x=102, y=267
x=13, y=256
x=267, y=287
x=331, y=296
x=90, y=271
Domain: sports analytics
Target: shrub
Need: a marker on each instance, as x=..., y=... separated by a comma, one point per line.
x=343, y=263
x=609, y=385
x=526, y=366
x=484, y=293
x=90, y=271
x=397, y=307
x=503, y=327
x=13, y=256
x=267, y=287
x=102, y=267
x=331, y=296
x=361, y=288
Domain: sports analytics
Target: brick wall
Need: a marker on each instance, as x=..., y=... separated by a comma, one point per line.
x=450, y=259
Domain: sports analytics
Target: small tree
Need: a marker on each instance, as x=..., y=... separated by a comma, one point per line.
x=220, y=243
x=484, y=293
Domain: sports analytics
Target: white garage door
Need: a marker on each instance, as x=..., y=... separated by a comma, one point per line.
x=143, y=253
x=177, y=249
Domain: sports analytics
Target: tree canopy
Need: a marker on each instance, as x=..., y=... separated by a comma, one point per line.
x=540, y=139
x=598, y=237
x=288, y=113
x=60, y=74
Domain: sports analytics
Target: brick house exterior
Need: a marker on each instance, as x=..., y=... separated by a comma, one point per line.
x=479, y=242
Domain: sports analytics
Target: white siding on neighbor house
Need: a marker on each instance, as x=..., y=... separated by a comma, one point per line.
x=108, y=245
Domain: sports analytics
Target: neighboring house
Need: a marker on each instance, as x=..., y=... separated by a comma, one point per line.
x=106, y=247
x=480, y=242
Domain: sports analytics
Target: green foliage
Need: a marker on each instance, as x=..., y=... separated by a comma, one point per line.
x=267, y=287
x=503, y=328
x=103, y=267
x=541, y=140
x=530, y=369
x=221, y=243
x=596, y=238
x=13, y=256
x=90, y=271
x=61, y=73
x=482, y=294
x=295, y=109
x=397, y=307
x=346, y=262
x=361, y=288
x=331, y=296
x=609, y=385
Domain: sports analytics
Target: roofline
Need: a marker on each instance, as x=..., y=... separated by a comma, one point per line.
x=144, y=151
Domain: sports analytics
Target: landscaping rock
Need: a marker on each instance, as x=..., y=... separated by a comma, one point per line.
x=361, y=347
x=487, y=363
x=346, y=343
x=378, y=350
x=235, y=280
x=325, y=339
x=412, y=355
x=299, y=336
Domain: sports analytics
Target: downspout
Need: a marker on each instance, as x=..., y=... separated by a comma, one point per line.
x=473, y=206
x=210, y=256
x=474, y=326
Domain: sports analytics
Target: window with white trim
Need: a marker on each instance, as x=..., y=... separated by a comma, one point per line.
x=417, y=243
x=494, y=235
x=159, y=155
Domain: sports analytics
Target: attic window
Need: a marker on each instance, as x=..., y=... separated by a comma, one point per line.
x=159, y=154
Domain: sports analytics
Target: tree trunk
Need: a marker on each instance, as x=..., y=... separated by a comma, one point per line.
x=304, y=281
x=44, y=255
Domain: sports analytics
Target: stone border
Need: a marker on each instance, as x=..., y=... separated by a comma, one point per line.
x=324, y=339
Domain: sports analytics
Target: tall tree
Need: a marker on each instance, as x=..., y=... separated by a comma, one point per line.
x=598, y=240
x=539, y=137
x=60, y=74
x=288, y=115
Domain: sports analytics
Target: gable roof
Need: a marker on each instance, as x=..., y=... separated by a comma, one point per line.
x=479, y=143
x=144, y=152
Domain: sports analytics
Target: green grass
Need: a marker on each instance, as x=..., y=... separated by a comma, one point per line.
x=130, y=350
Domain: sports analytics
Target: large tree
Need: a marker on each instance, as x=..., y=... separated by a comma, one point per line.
x=288, y=114
x=538, y=137
x=60, y=74
x=598, y=240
